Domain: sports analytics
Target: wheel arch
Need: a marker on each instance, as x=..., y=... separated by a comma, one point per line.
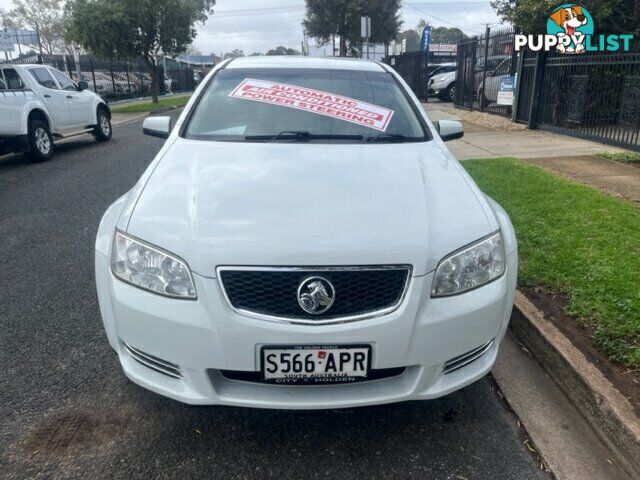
x=105, y=107
x=36, y=113
x=97, y=106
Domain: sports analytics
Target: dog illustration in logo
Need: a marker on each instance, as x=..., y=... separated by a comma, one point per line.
x=569, y=19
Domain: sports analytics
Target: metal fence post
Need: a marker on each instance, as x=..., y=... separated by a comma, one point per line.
x=113, y=80
x=128, y=80
x=143, y=89
x=68, y=62
x=537, y=89
x=460, y=75
x=484, y=67
x=93, y=75
x=516, y=97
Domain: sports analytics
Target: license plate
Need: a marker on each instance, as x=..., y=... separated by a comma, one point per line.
x=312, y=364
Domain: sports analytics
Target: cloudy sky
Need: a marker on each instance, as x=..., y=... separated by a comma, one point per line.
x=258, y=25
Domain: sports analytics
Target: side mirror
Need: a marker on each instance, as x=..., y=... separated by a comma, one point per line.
x=157, y=126
x=82, y=85
x=449, y=129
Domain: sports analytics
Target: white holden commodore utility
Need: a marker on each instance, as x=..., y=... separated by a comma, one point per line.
x=304, y=239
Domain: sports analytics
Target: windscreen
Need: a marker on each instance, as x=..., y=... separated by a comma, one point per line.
x=259, y=104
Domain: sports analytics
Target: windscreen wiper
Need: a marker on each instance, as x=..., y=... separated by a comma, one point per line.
x=300, y=136
x=387, y=137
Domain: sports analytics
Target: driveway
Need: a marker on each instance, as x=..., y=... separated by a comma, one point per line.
x=66, y=409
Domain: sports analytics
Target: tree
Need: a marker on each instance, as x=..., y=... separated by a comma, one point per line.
x=442, y=34
x=282, y=51
x=530, y=16
x=413, y=40
x=234, y=54
x=45, y=16
x=341, y=18
x=447, y=35
x=438, y=35
x=142, y=29
x=7, y=20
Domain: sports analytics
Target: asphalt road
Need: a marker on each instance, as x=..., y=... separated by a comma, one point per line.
x=66, y=410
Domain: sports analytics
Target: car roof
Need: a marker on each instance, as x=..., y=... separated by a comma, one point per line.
x=23, y=65
x=292, y=61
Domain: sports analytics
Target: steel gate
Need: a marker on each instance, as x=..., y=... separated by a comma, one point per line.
x=412, y=67
x=482, y=62
x=594, y=96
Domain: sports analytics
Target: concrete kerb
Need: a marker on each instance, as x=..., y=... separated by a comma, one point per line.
x=597, y=400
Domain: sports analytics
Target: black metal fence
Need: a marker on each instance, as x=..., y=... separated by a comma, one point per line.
x=593, y=95
x=416, y=67
x=116, y=80
x=412, y=67
x=526, y=80
x=483, y=61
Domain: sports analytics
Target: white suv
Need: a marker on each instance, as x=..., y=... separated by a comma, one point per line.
x=38, y=102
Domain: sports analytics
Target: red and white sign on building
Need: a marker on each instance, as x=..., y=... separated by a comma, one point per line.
x=314, y=101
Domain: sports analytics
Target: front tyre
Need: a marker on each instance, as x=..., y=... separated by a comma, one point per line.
x=450, y=95
x=102, y=130
x=40, y=142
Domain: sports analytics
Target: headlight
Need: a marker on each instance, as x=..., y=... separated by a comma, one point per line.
x=149, y=268
x=470, y=267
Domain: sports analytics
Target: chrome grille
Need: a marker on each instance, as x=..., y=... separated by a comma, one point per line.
x=154, y=363
x=272, y=292
x=466, y=358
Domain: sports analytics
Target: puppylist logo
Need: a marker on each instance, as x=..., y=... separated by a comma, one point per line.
x=570, y=29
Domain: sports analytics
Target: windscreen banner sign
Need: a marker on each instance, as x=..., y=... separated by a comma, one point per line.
x=314, y=101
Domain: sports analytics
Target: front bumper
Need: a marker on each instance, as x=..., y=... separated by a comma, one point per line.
x=205, y=337
x=435, y=91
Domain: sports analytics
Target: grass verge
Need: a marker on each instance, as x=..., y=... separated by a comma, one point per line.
x=152, y=107
x=622, y=157
x=575, y=240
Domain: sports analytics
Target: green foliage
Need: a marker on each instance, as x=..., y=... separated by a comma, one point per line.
x=623, y=157
x=413, y=40
x=438, y=35
x=283, y=51
x=135, y=29
x=610, y=16
x=447, y=35
x=341, y=18
x=441, y=34
x=130, y=29
x=576, y=240
x=233, y=54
